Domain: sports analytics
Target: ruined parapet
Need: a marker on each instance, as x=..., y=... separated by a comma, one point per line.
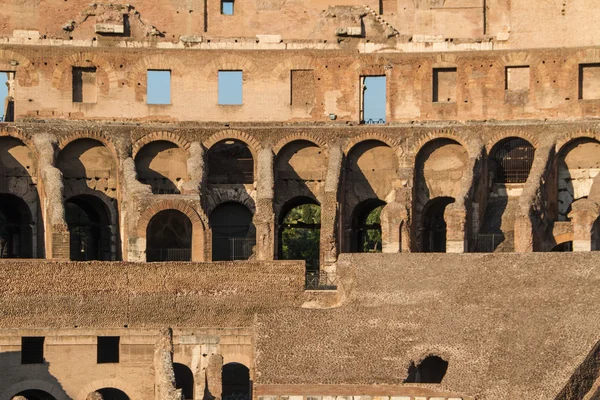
x=264, y=219
x=164, y=376
x=195, y=167
x=214, y=378
x=94, y=396
x=530, y=218
x=329, y=207
x=395, y=229
x=52, y=190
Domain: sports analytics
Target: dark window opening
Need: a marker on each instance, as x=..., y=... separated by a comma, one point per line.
x=236, y=382
x=431, y=370
x=513, y=158
x=112, y=394
x=444, y=85
x=108, y=349
x=366, y=227
x=233, y=234
x=169, y=237
x=373, y=100
x=434, y=225
x=300, y=233
x=89, y=228
x=227, y=7
x=184, y=380
x=16, y=236
x=34, y=394
x=230, y=162
x=32, y=350
x=84, y=85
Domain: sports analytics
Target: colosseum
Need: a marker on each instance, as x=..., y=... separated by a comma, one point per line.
x=300, y=200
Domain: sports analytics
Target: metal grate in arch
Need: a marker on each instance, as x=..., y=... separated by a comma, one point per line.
x=514, y=158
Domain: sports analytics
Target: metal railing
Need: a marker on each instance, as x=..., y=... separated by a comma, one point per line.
x=371, y=121
x=164, y=254
x=231, y=249
x=488, y=242
x=320, y=280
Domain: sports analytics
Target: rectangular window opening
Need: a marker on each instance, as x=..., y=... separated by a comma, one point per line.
x=227, y=7
x=108, y=349
x=32, y=350
x=158, y=87
x=302, y=88
x=444, y=85
x=7, y=92
x=230, y=87
x=517, y=79
x=373, y=99
x=84, y=85
x=589, y=81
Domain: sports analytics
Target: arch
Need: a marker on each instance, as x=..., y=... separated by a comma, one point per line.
x=426, y=141
x=373, y=164
x=184, y=380
x=282, y=70
x=79, y=157
x=299, y=231
x=26, y=73
x=227, y=62
x=368, y=137
x=366, y=227
x=433, y=237
x=131, y=390
x=34, y=384
x=162, y=165
x=230, y=162
x=302, y=161
x=137, y=73
x=21, y=136
x=563, y=142
x=105, y=73
x=431, y=369
x=578, y=163
x=89, y=135
x=525, y=135
x=233, y=233
x=90, y=237
x=111, y=393
x=16, y=234
x=236, y=382
x=169, y=237
x=17, y=159
x=511, y=160
x=35, y=394
x=307, y=137
x=252, y=143
x=563, y=247
x=156, y=136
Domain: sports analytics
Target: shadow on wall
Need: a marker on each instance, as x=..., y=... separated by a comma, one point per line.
x=17, y=367
x=583, y=381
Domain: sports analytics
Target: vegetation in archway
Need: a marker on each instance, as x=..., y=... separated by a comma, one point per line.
x=371, y=240
x=301, y=235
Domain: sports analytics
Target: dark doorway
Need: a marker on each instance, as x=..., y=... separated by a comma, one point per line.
x=366, y=227
x=233, y=234
x=300, y=232
x=434, y=225
x=563, y=247
x=34, y=394
x=169, y=237
x=431, y=370
x=184, y=380
x=230, y=162
x=112, y=394
x=15, y=228
x=236, y=382
x=513, y=159
x=89, y=228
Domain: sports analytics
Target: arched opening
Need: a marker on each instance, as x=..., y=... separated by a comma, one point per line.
x=35, y=394
x=230, y=162
x=233, y=234
x=431, y=370
x=163, y=166
x=434, y=225
x=184, y=380
x=169, y=237
x=15, y=228
x=370, y=175
x=301, y=162
x=578, y=165
x=88, y=220
x=112, y=394
x=511, y=160
x=236, y=382
x=563, y=247
x=366, y=227
x=300, y=232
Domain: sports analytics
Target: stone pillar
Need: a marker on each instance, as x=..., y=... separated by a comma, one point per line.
x=195, y=167
x=329, y=208
x=214, y=377
x=583, y=215
x=53, y=208
x=393, y=227
x=456, y=220
x=164, y=376
x=134, y=247
x=264, y=217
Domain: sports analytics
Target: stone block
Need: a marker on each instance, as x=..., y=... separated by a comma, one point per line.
x=25, y=34
x=269, y=38
x=109, y=28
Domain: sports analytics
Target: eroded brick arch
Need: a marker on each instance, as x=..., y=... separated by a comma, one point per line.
x=106, y=71
x=252, y=143
x=228, y=62
x=317, y=141
x=26, y=73
x=93, y=135
x=23, y=137
x=130, y=390
x=385, y=139
x=435, y=135
x=160, y=136
x=35, y=384
x=511, y=134
x=282, y=70
x=566, y=139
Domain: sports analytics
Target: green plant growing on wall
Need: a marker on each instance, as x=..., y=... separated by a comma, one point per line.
x=301, y=235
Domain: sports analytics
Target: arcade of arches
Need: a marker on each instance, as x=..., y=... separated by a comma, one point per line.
x=456, y=198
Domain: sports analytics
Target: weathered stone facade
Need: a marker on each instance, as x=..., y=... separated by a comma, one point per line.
x=199, y=247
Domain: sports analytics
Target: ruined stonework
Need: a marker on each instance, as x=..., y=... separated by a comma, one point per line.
x=299, y=200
